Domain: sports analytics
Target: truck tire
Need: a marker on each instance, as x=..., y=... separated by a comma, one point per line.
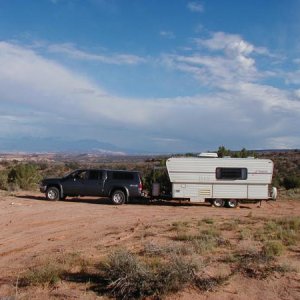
x=232, y=203
x=52, y=193
x=118, y=197
x=218, y=202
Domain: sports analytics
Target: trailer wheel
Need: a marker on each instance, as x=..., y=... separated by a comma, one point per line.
x=218, y=202
x=118, y=197
x=232, y=203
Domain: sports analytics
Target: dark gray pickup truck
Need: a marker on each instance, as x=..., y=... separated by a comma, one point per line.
x=120, y=186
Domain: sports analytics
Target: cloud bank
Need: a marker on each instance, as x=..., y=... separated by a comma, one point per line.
x=42, y=97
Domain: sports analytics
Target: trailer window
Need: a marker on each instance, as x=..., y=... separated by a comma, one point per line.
x=231, y=173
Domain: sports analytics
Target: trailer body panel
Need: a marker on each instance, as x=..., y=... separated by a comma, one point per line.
x=199, y=179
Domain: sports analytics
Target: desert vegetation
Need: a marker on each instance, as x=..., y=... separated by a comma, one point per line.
x=26, y=174
x=154, y=267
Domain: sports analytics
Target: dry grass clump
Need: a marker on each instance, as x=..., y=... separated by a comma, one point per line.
x=151, y=249
x=52, y=271
x=287, y=230
x=180, y=226
x=207, y=221
x=210, y=283
x=258, y=264
x=48, y=274
x=204, y=241
x=273, y=248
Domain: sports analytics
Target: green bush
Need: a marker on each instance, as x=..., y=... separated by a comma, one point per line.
x=291, y=182
x=26, y=176
x=3, y=180
x=158, y=175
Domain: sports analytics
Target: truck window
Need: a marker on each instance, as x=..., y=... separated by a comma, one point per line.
x=232, y=173
x=95, y=175
x=122, y=176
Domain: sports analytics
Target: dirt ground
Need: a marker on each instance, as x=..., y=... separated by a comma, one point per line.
x=33, y=229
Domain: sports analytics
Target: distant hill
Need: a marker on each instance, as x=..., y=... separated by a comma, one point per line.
x=31, y=145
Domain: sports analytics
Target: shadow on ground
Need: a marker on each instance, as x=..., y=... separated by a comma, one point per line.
x=142, y=201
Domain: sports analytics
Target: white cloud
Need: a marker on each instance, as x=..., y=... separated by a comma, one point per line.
x=167, y=34
x=221, y=60
x=195, y=6
x=284, y=142
x=117, y=59
x=232, y=44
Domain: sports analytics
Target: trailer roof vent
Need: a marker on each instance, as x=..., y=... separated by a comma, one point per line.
x=208, y=155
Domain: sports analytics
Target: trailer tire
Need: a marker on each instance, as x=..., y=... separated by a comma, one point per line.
x=218, y=202
x=232, y=203
x=118, y=197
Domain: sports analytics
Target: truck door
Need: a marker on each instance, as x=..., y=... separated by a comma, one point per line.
x=94, y=183
x=74, y=183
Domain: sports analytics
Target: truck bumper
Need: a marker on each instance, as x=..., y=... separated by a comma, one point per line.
x=43, y=189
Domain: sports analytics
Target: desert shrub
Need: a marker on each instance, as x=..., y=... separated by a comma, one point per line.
x=26, y=176
x=273, y=248
x=48, y=274
x=127, y=277
x=245, y=234
x=3, y=180
x=291, y=182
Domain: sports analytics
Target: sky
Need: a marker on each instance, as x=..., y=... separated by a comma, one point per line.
x=151, y=76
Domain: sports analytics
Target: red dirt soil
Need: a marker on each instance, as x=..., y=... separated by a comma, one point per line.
x=33, y=228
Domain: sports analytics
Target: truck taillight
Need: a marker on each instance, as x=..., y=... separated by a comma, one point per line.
x=140, y=186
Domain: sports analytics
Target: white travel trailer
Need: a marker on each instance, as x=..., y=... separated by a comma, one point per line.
x=221, y=180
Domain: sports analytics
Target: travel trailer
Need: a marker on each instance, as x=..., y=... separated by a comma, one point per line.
x=221, y=181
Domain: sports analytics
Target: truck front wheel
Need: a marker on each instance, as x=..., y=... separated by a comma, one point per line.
x=52, y=193
x=118, y=197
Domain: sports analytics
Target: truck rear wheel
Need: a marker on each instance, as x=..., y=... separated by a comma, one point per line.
x=218, y=202
x=118, y=197
x=52, y=193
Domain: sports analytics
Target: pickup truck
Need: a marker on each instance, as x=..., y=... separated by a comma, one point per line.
x=120, y=186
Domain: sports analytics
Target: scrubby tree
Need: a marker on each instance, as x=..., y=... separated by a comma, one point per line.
x=222, y=151
x=25, y=176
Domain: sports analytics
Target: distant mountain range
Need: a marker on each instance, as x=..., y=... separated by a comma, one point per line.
x=52, y=144
x=59, y=145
